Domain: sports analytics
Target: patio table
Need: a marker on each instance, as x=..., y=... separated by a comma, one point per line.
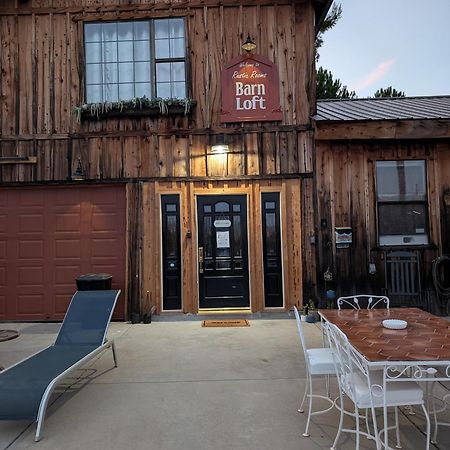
x=420, y=352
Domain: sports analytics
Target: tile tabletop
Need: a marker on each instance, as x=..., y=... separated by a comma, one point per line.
x=426, y=338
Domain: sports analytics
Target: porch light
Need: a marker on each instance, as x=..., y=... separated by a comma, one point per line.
x=220, y=146
x=249, y=45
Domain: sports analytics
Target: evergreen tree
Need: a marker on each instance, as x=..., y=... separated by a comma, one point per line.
x=388, y=92
x=328, y=87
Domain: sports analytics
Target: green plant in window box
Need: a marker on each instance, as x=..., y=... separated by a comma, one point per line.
x=161, y=106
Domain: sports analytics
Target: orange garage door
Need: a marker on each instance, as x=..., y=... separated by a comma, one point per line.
x=48, y=237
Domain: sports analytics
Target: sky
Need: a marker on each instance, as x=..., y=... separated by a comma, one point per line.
x=400, y=43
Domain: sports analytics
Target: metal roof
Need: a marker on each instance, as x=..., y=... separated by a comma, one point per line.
x=363, y=109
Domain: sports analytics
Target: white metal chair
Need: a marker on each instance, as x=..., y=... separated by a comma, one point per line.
x=363, y=301
x=369, y=390
x=318, y=361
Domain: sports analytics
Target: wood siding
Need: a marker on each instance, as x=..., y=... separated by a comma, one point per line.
x=345, y=196
x=290, y=195
x=42, y=79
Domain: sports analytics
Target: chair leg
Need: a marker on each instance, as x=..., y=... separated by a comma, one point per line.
x=113, y=348
x=358, y=436
x=386, y=431
x=433, y=409
x=428, y=426
x=341, y=420
x=301, y=410
x=306, y=434
x=375, y=429
x=397, y=430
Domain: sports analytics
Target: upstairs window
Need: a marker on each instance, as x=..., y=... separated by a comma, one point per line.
x=402, y=202
x=132, y=59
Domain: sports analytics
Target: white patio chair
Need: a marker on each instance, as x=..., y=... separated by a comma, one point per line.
x=318, y=361
x=363, y=301
x=368, y=391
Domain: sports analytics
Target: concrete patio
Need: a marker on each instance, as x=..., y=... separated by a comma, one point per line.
x=181, y=386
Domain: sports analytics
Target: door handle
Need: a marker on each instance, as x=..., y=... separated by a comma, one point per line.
x=200, y=259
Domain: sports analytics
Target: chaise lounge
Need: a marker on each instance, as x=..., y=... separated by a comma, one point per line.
x=26, y=387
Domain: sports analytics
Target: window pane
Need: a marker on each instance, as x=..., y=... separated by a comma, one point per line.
x=126, y=72
x=162, y=72
x=110, y=31
x=177, y=48
x=271, y=234
x=93, y=73
x=402, y=219
x=237, y=245
x=92, y=32
x=125, y=31
x=401, y=180
x=163, y=90
x=179, y=90
x=94, y=93
x=126, y=91
x=178, y=73
x=110, y=74
x=142, y=90
x=110, y=51
x=162, y=29
x=141, y=30
x=162, y=49
x=142, y=51
x=171, y=236
x=93, y=52
x=110, y=93
x=125, y=50
x=142, y=71
x=222, y=207
x=176, y=28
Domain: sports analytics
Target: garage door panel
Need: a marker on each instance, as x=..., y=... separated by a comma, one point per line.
x=50, y=236
x=31, y=223
x=67, y=248
x=68, y=222
x=31, y=249
x=30, y=304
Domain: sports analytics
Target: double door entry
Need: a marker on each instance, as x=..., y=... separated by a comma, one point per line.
x=223, y=251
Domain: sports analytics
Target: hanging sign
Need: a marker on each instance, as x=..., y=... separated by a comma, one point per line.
x=222, y=223
x=250, y=90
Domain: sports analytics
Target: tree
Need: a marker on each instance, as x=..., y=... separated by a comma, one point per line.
x=327, y=87
x=388, y=92
x=329, y=22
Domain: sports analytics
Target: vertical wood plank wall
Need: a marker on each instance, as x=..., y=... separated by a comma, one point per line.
x=345, y=197
x=290, y=194
x=42, y=80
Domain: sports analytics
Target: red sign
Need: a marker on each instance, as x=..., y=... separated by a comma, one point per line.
x=250, y=90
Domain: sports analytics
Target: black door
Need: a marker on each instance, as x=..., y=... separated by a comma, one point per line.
x=222, y=251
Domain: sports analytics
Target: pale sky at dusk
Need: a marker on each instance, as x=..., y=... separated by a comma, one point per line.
x=379, y=43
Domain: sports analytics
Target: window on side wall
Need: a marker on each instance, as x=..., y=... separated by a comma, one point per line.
x=125, y=60
x=402, y=203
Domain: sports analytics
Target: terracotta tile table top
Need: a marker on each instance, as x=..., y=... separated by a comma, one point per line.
x=426, y=338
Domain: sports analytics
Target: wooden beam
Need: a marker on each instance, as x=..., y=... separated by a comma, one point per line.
x=383, y=129
x=18, y=159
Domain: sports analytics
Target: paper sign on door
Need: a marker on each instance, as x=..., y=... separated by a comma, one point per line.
x=223, y=239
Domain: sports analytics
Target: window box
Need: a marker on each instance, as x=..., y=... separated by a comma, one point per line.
x=139, y=107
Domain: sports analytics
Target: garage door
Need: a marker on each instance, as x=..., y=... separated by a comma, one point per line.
x=48, y=237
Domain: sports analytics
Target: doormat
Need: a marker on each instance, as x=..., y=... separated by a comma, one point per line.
x=226, y=323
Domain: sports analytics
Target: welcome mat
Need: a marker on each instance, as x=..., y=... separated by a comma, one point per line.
x=226, y=323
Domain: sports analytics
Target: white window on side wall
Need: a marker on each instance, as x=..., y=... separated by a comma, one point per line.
x=402, y=206
x=130, y=59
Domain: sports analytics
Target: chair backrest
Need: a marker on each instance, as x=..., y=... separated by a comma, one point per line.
x=403, y=277
x=300, y=332
x=363, y=301
x=87, y=318
x=348, y=363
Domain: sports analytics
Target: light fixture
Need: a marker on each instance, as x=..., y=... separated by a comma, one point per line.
x=78, y=175
x=249, y=45
x=220, y=146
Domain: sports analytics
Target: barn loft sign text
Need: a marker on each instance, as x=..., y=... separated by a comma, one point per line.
x=250, y=90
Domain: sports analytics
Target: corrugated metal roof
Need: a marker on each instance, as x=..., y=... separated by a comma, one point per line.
x=362, y=109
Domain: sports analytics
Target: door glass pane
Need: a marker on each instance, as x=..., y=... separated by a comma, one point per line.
x=222, y=207
x=271, y=234
x=237, y=244
x=236, y=207
x=223, y=244
x=207, y=237
x=207, y=208
x=171, y=207
x=171, y=238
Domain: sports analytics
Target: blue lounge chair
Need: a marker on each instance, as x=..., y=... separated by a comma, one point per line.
x=25, y=387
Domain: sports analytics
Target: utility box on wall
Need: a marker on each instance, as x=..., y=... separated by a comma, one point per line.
x=344, y=237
